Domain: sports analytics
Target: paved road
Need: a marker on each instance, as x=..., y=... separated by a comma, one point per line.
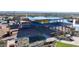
x=8, y=38
x=75, y=42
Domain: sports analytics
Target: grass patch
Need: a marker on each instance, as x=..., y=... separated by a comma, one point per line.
x=60, y=44
x=2, y=43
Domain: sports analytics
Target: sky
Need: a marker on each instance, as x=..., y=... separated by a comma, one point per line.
x=40, y=5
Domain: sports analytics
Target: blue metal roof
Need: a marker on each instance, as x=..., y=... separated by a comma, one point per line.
x=66, y=21
x=36, y=24
x=51, y=24
x=40, y=18
x=33, y=32
x=26, y=33
x=56, y=24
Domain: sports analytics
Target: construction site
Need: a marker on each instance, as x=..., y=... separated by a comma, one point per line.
x=38, y=29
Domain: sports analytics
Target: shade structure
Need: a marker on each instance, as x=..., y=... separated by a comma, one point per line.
x=34, y=34
x=27, y=33
x=30, y=31
x=44, y=18
x=36, y=38
x=36, y=24
x=40, y=29
x=51, y=24
x=56, y=24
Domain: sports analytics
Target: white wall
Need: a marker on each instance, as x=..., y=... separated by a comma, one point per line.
x=74, y=22
x=10, y=42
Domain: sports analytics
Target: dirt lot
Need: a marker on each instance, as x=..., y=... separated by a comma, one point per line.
x=3, y=31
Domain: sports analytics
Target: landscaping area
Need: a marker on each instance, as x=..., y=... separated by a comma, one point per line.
x=2, y=43
x=60, y=44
